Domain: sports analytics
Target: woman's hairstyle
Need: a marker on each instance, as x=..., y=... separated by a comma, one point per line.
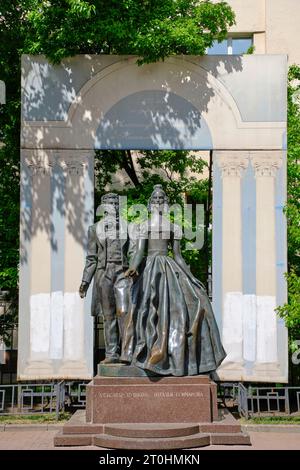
x=158, y=189
x=109, y=197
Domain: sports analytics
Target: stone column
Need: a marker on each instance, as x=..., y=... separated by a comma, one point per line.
x=78, y=217
x=55, y=330
x=232, y=165
x=266, y=165
x=35, y=256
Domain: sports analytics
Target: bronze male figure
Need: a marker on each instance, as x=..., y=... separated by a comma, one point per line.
x=106, y=263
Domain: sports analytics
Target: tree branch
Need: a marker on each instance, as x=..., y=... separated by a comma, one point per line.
x=128, y=166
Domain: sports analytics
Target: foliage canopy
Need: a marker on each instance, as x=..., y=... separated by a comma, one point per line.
x=150, y=29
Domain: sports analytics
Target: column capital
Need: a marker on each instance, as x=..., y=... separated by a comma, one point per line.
x=72, y=162
x=71, y=165
x=38, y=164
x=266, y=164
x=233, y=163
x=44, y=162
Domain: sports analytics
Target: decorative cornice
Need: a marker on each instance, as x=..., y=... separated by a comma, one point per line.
x=232, y=165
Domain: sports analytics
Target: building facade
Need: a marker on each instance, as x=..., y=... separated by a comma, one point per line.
x=271, y=25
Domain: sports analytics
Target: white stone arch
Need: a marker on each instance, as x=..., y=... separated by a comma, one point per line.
x=169, y=76
x=181, y=76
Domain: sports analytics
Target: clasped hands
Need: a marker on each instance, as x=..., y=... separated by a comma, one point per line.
x=131, y=272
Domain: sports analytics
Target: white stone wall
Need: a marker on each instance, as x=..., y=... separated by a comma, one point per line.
x=282, y=28
x=250, y=15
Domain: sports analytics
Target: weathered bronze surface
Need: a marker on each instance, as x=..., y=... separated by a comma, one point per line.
x=106, y=262
x=170, y=327
x=154, y=309
x=123, y=370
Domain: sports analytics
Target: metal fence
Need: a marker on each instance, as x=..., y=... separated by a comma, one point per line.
x=258, y=401
x=75, y=393
x=26, y=399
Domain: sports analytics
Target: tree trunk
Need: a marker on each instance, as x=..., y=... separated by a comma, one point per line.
x=128, y=166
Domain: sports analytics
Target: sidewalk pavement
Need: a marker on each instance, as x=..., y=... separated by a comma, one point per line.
x=15, y=439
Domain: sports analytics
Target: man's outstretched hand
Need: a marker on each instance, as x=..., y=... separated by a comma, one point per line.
x=83, y=289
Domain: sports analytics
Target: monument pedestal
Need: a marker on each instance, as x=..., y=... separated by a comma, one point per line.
x=151, y=413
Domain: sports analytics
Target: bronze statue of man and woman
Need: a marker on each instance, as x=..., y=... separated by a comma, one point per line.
x=157, y=316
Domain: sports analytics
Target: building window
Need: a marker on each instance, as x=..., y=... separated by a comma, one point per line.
x=231, y=46
x=218, y=48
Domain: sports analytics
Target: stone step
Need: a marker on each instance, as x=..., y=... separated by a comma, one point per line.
x=77, y=425
x=83, y=428
x=61, y=439
x=225, y=439
x=151, y=430
x=153, y=443
x=218, y=428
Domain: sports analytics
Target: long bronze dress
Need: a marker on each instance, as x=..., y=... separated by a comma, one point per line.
x=170, y=328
